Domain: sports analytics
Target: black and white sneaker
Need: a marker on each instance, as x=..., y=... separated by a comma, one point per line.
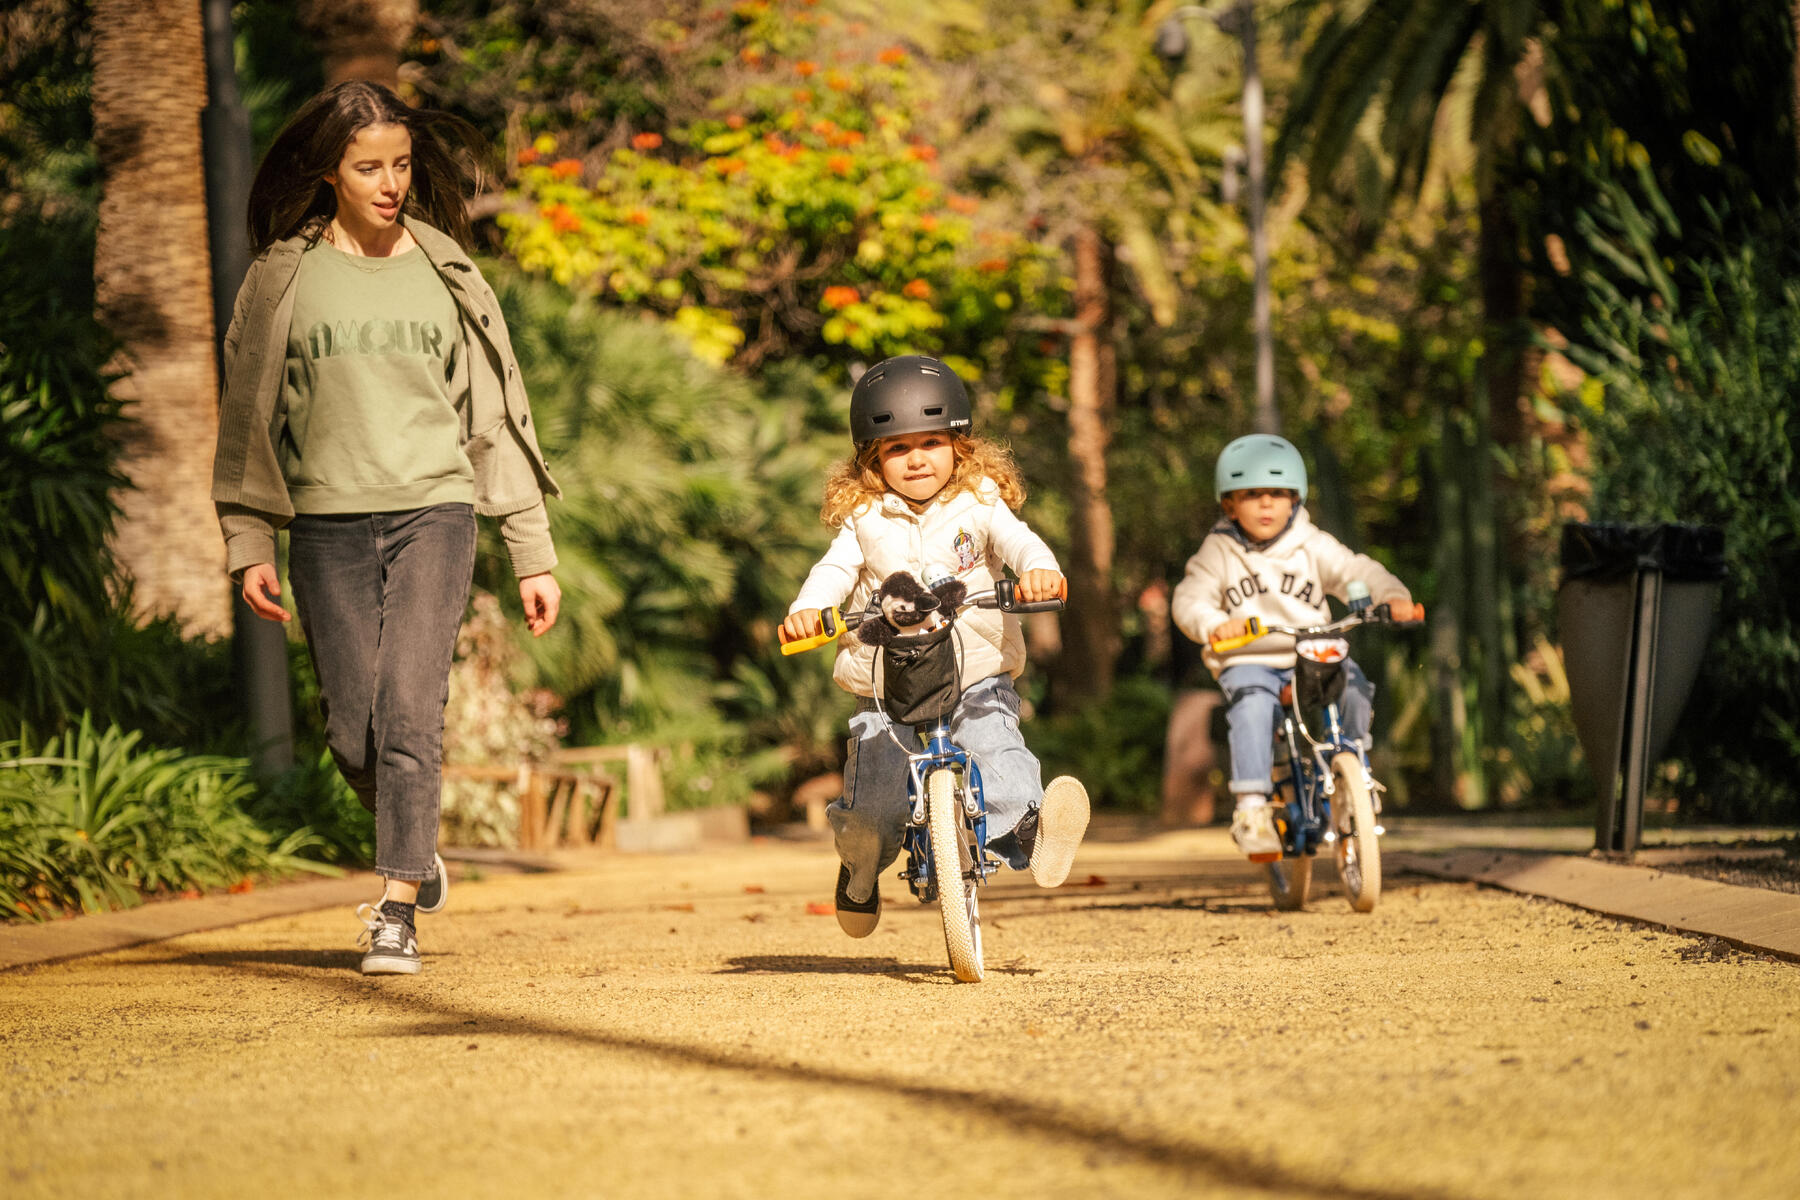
x=392, y=947
x=434, y=892
x=857, y=918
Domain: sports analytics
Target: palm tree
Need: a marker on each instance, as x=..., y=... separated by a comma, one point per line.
x=360, y=39
x=1404, y=66
x=1078, y=132
x=153, y=289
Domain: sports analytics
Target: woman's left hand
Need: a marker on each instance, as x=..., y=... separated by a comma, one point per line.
x=1043, y=585
x=542, y=600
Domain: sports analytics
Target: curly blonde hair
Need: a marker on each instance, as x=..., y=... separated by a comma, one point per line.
x=857, y=480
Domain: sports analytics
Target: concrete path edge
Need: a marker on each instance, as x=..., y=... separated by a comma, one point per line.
x=1754, y=919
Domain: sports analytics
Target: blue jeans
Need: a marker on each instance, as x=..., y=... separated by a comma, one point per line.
x=1253, y=707
x=381, y=597
x=870, y=818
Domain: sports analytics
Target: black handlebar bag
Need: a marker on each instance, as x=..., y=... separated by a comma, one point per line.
x=919, y=677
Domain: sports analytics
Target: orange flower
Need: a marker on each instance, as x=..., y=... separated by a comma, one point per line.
x=646, y=141
x=803, y=95
x=893, y=56
x=918, y=289
x=805, y=67
x=527, y=156
x=922, y=153
x=734, y=121
x=840, y=296
x=824, y=127
x=752, y=55
x=837, y=81
x=992, y=265
x=638, y=216
x=928, y=223
x=962, y=204
x=840, y=163
x=729, y=166
x=566, y=168
x=562, y=218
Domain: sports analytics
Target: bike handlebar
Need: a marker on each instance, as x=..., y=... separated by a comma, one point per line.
x=1378, y=615
x=1003, y=596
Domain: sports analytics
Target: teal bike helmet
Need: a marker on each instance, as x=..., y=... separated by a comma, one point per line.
x=1259, y=460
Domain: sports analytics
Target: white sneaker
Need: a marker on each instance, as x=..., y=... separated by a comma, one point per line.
x=1057, y=825
x=1253, y=829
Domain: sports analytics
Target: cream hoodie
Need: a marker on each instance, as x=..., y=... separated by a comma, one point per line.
x=1284, y=583
x=968, y=535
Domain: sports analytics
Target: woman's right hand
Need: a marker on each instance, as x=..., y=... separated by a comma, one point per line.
x=261, y=585
x=802, y=625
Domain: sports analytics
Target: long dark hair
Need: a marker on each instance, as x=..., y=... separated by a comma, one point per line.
x=290, y=195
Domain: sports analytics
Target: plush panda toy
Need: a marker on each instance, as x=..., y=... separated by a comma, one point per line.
x=909, y=607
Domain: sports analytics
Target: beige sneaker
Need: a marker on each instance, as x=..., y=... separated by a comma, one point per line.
x=1253, y=829
x=1061, y=819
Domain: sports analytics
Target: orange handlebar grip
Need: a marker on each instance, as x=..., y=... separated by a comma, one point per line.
x=1418, y=612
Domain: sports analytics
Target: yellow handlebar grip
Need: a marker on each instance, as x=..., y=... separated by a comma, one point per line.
x=832, y=619
x=1230, y=644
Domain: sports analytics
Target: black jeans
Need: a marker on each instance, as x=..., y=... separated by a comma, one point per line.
x=381, y=597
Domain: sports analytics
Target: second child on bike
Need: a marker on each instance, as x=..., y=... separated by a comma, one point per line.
x=922, y=495
x=1266, y=559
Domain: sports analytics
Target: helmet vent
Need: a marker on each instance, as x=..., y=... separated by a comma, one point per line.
x=936, y=410
x=881, y=418
x=929, y=371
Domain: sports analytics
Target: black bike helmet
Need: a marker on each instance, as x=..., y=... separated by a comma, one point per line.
x=908, y=394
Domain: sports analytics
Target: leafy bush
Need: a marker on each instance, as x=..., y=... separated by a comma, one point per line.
x=689, y=517
x=1114, y=747
x=92, y=820
x=1691, y=409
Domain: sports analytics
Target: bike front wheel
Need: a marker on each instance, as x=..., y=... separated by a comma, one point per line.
x=1357, y=848
x=952, y=868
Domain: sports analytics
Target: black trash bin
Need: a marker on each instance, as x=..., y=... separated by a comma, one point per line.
x=1635, y=609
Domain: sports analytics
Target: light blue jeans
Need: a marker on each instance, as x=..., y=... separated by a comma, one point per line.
x=1253, y=708
x=869, y=819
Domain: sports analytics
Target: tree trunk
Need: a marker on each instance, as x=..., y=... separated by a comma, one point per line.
x=1084, y=671
x=153, y=288
x=360, y=39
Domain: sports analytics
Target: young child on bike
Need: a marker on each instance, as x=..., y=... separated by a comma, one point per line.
x=921, y=494
x=1266, y=559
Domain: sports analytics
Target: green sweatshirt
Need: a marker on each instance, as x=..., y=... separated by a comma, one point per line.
x=372, y=423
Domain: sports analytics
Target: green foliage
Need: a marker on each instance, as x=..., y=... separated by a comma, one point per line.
x=92, y=820
x=1115, y=747
x=688, y=521
x=313, y=807
x=1691, y=411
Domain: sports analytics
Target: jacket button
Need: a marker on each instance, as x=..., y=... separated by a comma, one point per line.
x=525, y=420
x=484, y=320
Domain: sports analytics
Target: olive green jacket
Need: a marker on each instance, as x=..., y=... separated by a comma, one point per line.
x=511, y=476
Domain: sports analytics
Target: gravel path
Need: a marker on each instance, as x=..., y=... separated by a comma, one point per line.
x=685, y=1026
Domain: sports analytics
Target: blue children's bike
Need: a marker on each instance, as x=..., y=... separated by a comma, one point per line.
x=917, y=688
x=1324, y=792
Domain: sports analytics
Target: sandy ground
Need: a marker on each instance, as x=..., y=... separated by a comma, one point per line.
x=684, y=1026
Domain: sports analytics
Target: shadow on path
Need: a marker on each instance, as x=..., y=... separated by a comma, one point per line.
x=831, y=964
x=1023, y=1115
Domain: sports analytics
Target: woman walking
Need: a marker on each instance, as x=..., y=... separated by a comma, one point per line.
x=372, y=407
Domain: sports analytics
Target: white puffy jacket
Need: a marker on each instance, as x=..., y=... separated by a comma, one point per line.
x=1285, y=583
x=969, y=535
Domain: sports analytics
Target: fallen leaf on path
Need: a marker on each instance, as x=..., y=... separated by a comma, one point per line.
x=1094, y=881
x=190, y=894
x=688, y=907
x=241, y=886
x=755, y=889
x=819, y=908
x=753, y=918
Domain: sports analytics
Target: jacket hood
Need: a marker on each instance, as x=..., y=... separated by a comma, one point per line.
x=1298, y=527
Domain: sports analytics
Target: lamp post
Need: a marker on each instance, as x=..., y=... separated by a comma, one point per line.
x=1171, y=46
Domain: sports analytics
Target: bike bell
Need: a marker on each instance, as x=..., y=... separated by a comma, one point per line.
x=1356, y=594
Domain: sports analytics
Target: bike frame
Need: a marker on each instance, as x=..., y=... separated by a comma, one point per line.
x=1309, y=786
x=940, y=753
